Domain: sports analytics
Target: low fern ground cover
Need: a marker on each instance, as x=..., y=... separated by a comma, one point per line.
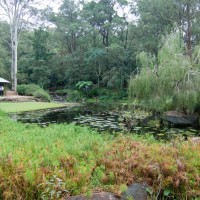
x=64, y=160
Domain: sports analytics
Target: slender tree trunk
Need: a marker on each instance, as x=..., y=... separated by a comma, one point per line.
x=189, y=32
x=15, y=60
x=14, y=41
x=12, y=66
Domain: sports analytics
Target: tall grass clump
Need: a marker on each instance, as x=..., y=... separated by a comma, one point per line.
x=171, y=82
x=33, y=90
x=65, y=160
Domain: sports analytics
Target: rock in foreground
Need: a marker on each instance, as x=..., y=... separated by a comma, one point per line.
x=135, y=191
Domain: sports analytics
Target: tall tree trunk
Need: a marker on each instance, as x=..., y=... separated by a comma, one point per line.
x=15, y=61
x=189, y=32
x=12, y=65
x=14, y=41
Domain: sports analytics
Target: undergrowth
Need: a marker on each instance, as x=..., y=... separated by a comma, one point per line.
x=63, y=160
x=33, y=90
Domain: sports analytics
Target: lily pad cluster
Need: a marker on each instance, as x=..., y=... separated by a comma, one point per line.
x=101, y=121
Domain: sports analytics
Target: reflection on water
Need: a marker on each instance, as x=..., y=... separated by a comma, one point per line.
x=106, y=118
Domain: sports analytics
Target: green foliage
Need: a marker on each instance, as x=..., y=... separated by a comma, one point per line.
x=84, y=85
x=28, y=89
x=40, y=41
x=146, y=60
x=74, y=95
x=54, y=188
x=71, y=94
x=42, y=94
x=114, y=95
x=5, y=60
x=40, y=74
x=63, y=160
x=172, y=84
x=107, y=94
x=94, y=92
x=33, y=90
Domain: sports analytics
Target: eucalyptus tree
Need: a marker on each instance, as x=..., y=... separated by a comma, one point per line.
x=15, y=11
x=159, y=17
x=154, y=21
x=101, y=15
x=68, y=23
x=188, y=17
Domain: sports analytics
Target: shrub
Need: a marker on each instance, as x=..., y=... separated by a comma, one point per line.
x=93, y=93
x=74, y=95
x=33, y=90
x=106, y=94
x=41, y=94
x=21, y=89
x=103, y=92
x=84, y=85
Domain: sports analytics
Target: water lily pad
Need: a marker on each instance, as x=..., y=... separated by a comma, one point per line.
x=160, y=134
x=137, y=128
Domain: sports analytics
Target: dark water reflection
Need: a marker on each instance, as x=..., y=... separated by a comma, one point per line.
x=103, y=118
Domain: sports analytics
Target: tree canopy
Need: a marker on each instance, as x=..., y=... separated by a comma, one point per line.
x=94, y=41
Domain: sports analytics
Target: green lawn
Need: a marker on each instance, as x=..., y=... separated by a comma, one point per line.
x=9, y=107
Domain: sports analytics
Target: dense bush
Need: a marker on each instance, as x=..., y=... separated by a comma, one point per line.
x=172, y=83
x=74, y=95
x=71, y=94
x=33, y=90
x=42, y=94
x=107, y=94
x=93, y=93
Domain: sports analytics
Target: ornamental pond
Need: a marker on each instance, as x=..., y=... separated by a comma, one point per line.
x=110, y=118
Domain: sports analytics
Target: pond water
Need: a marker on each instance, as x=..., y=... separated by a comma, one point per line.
x=107, y=117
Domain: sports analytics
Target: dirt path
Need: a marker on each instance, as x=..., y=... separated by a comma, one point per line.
x=13, y=96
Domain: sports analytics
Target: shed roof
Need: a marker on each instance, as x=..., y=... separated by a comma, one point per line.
x=2, y=80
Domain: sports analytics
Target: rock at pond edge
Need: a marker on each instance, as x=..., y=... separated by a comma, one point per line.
x=179, y=119
x=135, y=191
x=96, y=196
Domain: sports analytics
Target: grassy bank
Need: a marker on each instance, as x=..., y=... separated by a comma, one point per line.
x=62, y=160
x=29, y=106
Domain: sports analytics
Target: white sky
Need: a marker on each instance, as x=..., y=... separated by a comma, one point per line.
x=55, y=4
x=41, y=4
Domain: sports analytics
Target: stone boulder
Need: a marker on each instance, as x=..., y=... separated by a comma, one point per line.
x=135, y=191
x=96, y=196
x=180, y=120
